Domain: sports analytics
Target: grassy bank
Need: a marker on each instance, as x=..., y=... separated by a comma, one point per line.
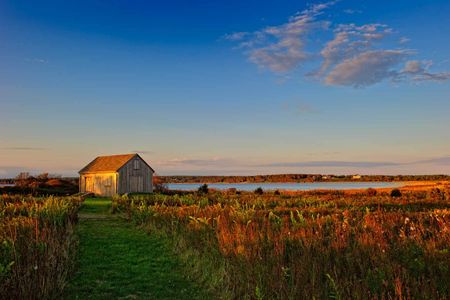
x=117, y=260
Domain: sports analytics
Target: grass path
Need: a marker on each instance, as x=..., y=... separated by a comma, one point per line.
x=118, y=261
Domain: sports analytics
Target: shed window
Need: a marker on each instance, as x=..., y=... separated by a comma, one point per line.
x=136, y=164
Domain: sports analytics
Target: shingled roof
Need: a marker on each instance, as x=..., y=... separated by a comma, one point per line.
x=110, y=163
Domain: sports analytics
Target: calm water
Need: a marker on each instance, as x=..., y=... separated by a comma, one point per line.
x=5, y=184
x=288, y=186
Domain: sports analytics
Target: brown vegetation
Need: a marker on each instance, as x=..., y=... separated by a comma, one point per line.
x=36, y=245
x=318, y=244
x=41, y=185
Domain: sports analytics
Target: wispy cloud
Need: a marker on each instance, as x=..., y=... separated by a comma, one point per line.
x=445, y=160
x=142, y=151
x=328, y=164
x=366, y=68
x=404, y=40
x=37, y=60
x=222, y=166
x=23, y=148
x=419, y=71
x=349, y=41
x=199, y=162
x=236, y=36
x=281, y=48
x=355, y=55
x=352, y=11
x=299, y=108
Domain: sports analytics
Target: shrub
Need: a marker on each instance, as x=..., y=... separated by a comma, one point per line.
x=396, y=193
x=232, y=190
x=437, y=194
x=159, y=186
x=203, y=189
x=371, y=192
x=259, y=191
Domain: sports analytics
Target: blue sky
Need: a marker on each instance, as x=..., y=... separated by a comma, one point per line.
x=235, y=87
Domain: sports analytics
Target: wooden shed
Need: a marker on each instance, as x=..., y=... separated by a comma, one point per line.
x=117, y=174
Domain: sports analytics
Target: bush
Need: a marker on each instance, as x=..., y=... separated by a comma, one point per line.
x=232, y=190
x=396, y=193
x=437, y=194
x=159, y=186
x=371, y=192
x=203, y=189
x=259, y=191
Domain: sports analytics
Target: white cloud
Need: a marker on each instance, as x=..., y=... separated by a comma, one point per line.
x=349, y=41
x=418, y=71
x=355, y=56
x=366, y=68
x=236, y=36
x=404, y=40
x=352, y=11
x=350, y=59
x=282, y=48
x=413, y=67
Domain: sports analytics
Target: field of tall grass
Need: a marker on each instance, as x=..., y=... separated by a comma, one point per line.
x=37, y=245
x=310, y=245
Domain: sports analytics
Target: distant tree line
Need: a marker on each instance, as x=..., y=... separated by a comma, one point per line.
x=42, y=184
x=299, y=178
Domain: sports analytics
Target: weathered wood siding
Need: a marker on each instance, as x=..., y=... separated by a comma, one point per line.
x=135, y=177
x=103, y=184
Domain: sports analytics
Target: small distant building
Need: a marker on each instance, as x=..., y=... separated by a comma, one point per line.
x=356, y=177
x=117, y=174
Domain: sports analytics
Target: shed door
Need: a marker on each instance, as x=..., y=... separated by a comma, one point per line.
x=89, y=184
x=136, y=184
x=107, y=188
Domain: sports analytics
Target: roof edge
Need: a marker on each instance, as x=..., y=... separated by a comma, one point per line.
x=94, y=172
x=136, y=154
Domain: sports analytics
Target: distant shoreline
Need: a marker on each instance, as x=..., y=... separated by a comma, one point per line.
x=300, y=178
x=297, y=182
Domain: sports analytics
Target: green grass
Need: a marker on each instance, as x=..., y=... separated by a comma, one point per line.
x=99, y=206
x=116, y=260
